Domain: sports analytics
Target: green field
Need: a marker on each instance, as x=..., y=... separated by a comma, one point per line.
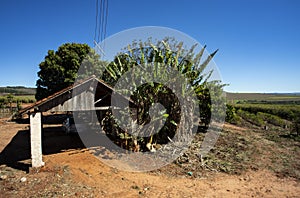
x=16, y=94
x=18, y=98
x=262, y=110
x=17, y=90
x=287, y=112
x=259, y=97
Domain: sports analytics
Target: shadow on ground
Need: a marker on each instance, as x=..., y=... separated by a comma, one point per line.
x=17, y=153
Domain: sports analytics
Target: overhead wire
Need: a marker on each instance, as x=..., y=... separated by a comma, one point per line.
x=96, y=26
x=101, y=23
x=102, y=19
x=106, y=16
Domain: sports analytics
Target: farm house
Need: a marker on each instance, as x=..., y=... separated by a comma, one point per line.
x=90, y=95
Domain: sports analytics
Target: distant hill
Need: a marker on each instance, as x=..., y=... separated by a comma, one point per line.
x=17, y=90
x=293, y=94
x=263, y=96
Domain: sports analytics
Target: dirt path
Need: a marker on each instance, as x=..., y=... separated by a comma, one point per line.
x=77, y=173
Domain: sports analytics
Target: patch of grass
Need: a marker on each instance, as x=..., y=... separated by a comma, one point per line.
x=232, y=154
x=239, y=151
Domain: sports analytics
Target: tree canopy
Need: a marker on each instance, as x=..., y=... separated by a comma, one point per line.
x=59, y=69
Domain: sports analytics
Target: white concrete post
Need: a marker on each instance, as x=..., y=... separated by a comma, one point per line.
x=36, y=140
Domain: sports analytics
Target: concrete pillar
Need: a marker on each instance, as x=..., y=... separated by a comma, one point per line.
x=36, y=140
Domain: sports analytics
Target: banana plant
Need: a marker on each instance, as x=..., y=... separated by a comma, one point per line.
x=165, y=53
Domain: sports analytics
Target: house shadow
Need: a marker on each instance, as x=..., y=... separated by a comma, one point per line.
x=17, y=153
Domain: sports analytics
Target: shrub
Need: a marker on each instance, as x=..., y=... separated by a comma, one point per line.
x=251, y=117
x=231, y=115
x=272, y=119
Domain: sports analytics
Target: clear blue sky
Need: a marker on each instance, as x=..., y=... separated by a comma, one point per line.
x=259, y=40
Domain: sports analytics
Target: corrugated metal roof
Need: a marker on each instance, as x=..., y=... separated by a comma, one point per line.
x=63, y=91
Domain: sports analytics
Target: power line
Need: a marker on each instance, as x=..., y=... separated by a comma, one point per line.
x=101, y=22
x=102, y=19
x=96, y=26
x=106, y=16
x=100, y=8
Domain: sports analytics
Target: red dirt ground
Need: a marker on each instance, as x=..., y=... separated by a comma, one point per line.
x=77, y=173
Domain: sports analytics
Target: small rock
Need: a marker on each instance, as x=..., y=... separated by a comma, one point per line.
x=147, y=188
x=135, y=187
x=3, y=177
x=23, y=179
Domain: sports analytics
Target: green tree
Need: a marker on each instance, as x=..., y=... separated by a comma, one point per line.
x=59, y=69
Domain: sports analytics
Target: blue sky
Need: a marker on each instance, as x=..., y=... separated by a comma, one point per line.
x=258, y=40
